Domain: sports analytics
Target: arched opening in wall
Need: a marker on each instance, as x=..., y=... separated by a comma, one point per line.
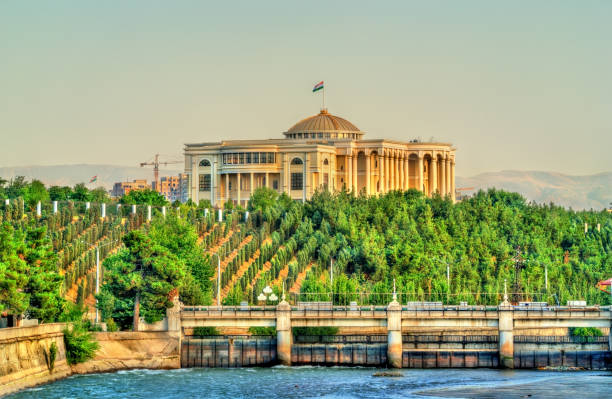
x=413, y=171
x=204, y=163
x=297, y=161
x=326, y=162
x=361, y=170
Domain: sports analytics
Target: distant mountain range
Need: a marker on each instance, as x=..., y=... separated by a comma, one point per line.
x=577, y=192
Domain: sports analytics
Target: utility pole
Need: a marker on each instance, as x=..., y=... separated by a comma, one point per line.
x=97, y=281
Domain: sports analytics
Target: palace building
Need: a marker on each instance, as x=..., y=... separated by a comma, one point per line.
x=322, y=152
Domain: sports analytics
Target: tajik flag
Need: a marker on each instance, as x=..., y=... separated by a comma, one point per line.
x=318, y=86
x=93, y=179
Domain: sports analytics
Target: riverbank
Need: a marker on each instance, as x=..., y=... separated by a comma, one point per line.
x=26, y=360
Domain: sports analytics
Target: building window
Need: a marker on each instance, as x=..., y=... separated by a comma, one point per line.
x=297, y=181
x=205, y=162
x=275, y=184
x=296, y=161
x=326, y=179
x=325, y=162
x=204, y=182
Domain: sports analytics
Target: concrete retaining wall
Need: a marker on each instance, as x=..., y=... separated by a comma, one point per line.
x=24, y=354
x=228, y=352
x=129, y=350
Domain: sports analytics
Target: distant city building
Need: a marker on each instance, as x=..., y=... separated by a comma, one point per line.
x=322, y=152
x=122, y=188
x=173, y=188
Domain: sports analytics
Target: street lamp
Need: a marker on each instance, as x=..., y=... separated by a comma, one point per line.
x=267, y=295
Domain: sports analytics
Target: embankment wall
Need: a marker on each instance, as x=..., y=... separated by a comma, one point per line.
x=25, y=356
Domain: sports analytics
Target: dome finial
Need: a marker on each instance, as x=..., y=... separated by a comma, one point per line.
x=324, y=111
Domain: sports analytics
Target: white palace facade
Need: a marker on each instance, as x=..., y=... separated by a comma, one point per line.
x=322, y=152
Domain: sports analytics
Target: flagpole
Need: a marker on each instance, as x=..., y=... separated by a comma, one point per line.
x=323, y=95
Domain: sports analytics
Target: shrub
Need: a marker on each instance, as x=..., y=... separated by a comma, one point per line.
x=80, y=344
x=111, y=326
x=585, y=332
x=206, y=331
x=52, y=356
x=262, y=331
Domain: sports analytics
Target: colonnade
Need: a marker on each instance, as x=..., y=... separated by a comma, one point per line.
x=388, y=170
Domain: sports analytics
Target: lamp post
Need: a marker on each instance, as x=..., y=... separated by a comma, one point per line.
x=98, y=271
x=267, y=295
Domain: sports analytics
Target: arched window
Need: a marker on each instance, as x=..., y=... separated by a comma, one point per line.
x=296, y=161
x=326, y=162
x=205, y=162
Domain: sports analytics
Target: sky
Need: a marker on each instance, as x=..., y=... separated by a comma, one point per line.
x=515, y=85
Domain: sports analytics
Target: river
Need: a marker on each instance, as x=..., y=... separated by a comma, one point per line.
x=327, y=382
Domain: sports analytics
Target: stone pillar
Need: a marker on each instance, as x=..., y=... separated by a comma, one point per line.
x=394, y=334
x=448, y=173
x=406, y=173
x=194, y=180
x=173, y=315
x=434, y=175
x=267, y=179
x=251, y=183
x=102, y=211
x=148, y=213
x=506, y=335
x=238, y=183
x=355, y=174
x=305, y=178
x=368, y=169
x=387, y=173
x=442, y=166
x=213, y=176
x=420, y=174
x=381, y=172
x=54, y=207
x=452, y=180
x=392, y=172
x=283, y=333
x=227, y=192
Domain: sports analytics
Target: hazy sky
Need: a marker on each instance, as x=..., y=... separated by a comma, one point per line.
x=514, y=84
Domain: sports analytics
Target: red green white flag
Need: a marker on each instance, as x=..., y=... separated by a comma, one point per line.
x=317, y=87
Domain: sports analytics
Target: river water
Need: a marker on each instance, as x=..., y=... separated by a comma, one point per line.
x=327, y=382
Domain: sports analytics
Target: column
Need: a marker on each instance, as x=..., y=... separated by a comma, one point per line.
x=212, y=182
x=400, y=172
x=195, y=190
x=443, y=190
x=387, y=173
x=305, y=179
x=394, y=334
x=420, y=174
x=448, y=172
x=406, y=173
x=381, y=172
x=506, y=335
x=283, y=333
x=227, y=192
x=452, y=180
x=354, y=170
x=251, y=184
x=238, y=188
x=285, y=183
x=392, y=172
x=368, y=169
x=434, y=175
x=267, y=179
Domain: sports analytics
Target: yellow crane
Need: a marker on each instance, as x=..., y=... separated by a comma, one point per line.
x=155, y=163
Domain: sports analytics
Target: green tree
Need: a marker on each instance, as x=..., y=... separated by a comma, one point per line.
x=99, y=195
x=80, y=193
x=139, y=280
x=57, y=193
x=144, y=197
x=35, y=192
x=13, y=274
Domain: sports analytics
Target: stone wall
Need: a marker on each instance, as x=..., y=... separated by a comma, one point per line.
x=24, y=356
x=130, y=350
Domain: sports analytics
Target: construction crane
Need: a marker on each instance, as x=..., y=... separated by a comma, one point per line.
x=155, y=163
